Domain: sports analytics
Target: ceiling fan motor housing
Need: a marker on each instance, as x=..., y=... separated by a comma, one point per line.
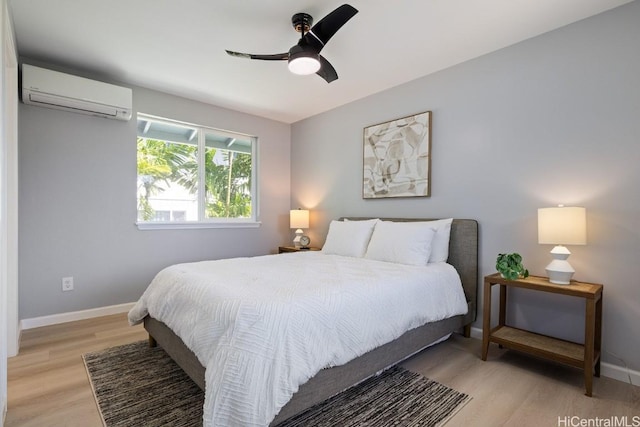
x=302, y=21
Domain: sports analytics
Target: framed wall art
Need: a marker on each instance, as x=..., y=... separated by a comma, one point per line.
x=397, y=158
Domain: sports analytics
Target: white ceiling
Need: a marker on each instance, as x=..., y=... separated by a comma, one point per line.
x=178, y=46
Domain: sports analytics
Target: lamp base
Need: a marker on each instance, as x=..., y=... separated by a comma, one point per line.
x=296, y=240
x=559, y=270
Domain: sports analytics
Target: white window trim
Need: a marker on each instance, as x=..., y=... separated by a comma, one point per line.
x=253, y=222
x=221, y=223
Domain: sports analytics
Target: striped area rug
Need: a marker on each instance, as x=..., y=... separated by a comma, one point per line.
x=135, y=385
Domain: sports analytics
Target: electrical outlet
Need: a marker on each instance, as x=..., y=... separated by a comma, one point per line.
x=67, y=284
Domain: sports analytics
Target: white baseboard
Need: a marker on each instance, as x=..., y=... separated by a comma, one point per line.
x=609, y=370
x=620, y=373
x=476, y=333
x=54, y=319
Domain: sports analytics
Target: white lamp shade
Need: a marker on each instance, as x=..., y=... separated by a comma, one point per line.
x=299, y=218
x=562, y=226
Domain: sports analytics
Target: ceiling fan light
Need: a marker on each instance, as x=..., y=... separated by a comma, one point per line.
x=304, y=63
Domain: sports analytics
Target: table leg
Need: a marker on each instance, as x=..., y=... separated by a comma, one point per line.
x=598, y=334
x=486, y=319
x=589, y=343
x=502, y=319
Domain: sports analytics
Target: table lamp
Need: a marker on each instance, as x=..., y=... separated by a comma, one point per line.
x=299, y=219
x=561, y=226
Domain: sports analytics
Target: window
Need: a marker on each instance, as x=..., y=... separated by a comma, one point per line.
x=177, y=160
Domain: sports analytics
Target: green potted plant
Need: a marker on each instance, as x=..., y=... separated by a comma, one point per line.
x=510, y=266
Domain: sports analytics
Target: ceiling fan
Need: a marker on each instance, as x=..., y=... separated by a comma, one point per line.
x=304, y=57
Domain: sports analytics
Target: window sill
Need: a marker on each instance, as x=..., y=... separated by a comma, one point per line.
x=197, y=225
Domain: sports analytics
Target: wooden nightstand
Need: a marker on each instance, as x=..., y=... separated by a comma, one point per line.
x=585, y=356
x=285, y=249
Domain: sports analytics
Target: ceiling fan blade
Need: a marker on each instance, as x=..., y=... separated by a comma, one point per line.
x=324, y=29
x=326, y=70
x=274, y=57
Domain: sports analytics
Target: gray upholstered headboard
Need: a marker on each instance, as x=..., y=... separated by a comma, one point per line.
x=463, y=255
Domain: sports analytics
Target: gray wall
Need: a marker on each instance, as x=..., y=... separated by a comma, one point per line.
x=555, y=119
x=78, y=204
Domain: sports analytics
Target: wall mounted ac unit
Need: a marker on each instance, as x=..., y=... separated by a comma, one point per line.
x=52, y=89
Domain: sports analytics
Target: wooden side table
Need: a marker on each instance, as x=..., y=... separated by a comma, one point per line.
x=585, y=356
x=285, y=249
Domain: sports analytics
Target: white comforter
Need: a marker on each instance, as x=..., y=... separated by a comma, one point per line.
x=263, y=326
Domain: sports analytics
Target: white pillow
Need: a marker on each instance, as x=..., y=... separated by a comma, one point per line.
x=348, y=238
x=440, y=244
x=401, y=242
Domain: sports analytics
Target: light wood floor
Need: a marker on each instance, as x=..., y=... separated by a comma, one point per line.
x=48, y=385
x=47, y=381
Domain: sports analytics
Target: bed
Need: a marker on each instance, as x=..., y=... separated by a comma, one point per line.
x=462, y=255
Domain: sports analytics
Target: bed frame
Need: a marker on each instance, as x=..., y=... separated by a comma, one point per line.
x=463, y=255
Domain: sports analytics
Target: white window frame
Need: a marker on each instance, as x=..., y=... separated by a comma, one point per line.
x=252, y=222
